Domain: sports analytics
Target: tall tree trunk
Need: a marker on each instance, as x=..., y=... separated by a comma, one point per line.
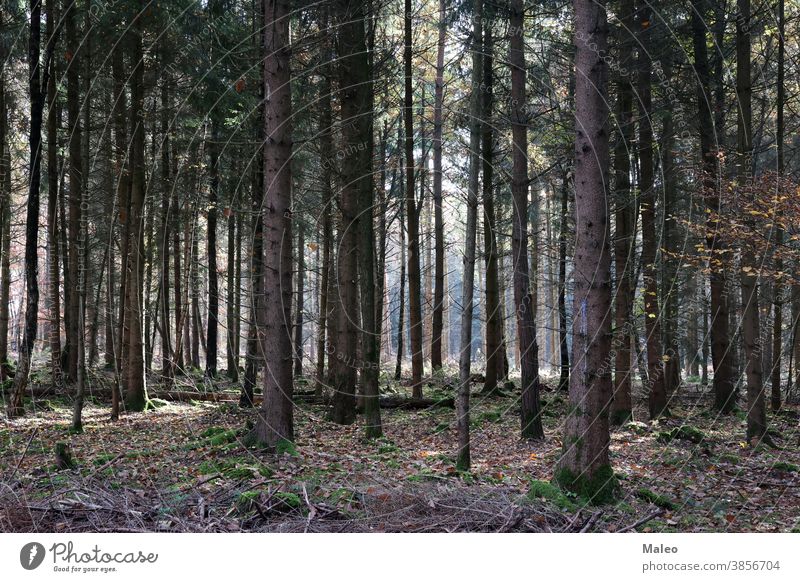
x=231, y=314
x=584, y=466
x=402, y=293
x=492, y=300
x=357, y=51
x=167, y=356
x=256, y=279
x=136, y=388
x=346, y=359
x=523, y=300
x=37, y=98
x=212, y=329
x=438, y=218
x=298, y=315
x=724, y=385
x=123, y=184
x=328, y=202
x=778, y=289
x=563, y=381
x=412, y=216
x=657, y=394
x=463, y=460
x=53, y=275
x=74, y=55
x=622, y=404
x=751, y=325
x=5, y=214
x=276, y=421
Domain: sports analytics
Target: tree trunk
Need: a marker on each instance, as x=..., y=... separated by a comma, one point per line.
x=622, y=405
x=136, y=389
x=657, y=394
x=298, y=315
x=463, y=460
x=724, y=385
x=563, y=381
x=438, y=218
x=531, y=420
x=584, y=467
x=212, y=329
x=492, y=300
x=778, y=289
x=276, y=421
x=412, y=216
x=751, y=325
x=37, y=98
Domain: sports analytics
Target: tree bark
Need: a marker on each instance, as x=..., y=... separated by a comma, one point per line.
x=622, y=405
x=438, y=218
x=724, y=385
x=584, y=467
x=657, y=394
x=276, y=421
x=463, y=460
x=531, y=420
x=492, y=299
x=412, y=216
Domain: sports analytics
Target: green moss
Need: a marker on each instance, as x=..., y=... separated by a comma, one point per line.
x=290, y=499
x=656, y=499
x=548, y=491
x=601, y=488
x=784, y=466
x=223, y=438
x=386, y=446
x=247, y=500
x=286, y=447
x=685, y=432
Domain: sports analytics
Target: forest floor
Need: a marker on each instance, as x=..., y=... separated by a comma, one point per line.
x=185, y=467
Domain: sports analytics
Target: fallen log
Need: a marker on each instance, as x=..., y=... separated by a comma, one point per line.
x=416, y=403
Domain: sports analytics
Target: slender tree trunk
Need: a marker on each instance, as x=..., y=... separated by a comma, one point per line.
x=438, y=218
x=358, y=51
x=328, y=201
x=563, y=381
x=54, y=276
x=492, y=300
x=167, y=356
x=276, y=421
x=523, y=300
x=724, y=385
x=37, y=98
x=5, y=214
x=212, y=329
x=74, y=56
x=584, y=466
x=231, y=308
x=657, y=394
x=622, y=405
x=751, y=325
x=136, y=388
x=412, y=216
x=778, y=288
x=463, y=460
x=298, y=315
x=401, y=316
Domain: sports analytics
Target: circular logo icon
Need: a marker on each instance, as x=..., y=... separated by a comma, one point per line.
x=31, y=555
